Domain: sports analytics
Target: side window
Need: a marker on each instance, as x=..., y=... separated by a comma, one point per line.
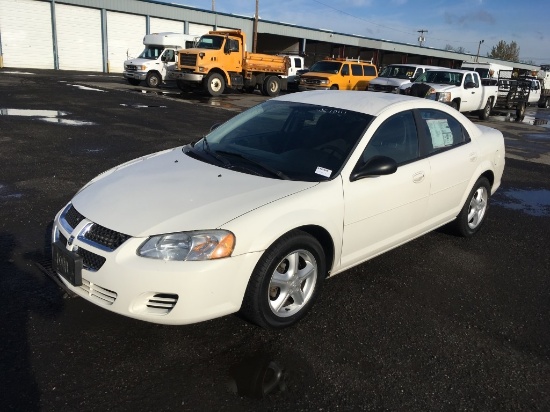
x=396, y=138
x=234, y=45
x=356, y=70
x=345, y=70
x=443, y=130
x=369, y=71
x=169, y=56
x=468, y=79
x=298, y=63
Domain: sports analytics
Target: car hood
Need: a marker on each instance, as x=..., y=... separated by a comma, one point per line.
x=139, y=62
x=385, y=81
x=171, y=192
x=441, y=87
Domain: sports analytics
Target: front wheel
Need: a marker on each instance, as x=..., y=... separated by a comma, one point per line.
x=471, y=217
x=545, y=104
x=454, y=104
x=520, y=111
x=285, y=282
x=153, y=80
x=215, y=84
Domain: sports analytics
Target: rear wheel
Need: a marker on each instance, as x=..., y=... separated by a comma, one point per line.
x=134, y=82
x=486, y=111
x=272, y=86
x=520, y=111
x=471, y=217
x=285, y=282
x=153, y=79
x=215, y=84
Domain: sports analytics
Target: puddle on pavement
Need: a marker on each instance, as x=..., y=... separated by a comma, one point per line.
x=18, y=72
x=78, y=86
x=6, y=194
x=141, y=106
x=50, y=116
x=534, y=202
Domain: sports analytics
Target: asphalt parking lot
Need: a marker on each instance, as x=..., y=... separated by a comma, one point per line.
x=441, y=323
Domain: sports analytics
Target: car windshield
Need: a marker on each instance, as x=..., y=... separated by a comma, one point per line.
x=210, y=42
x=284, y=140
x=326, y=67
x=440, y=77
x=398, y=72
x=151, y=52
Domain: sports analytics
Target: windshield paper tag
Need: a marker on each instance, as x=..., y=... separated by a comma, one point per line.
x=323, y=172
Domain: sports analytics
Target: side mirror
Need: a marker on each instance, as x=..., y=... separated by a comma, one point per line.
x=469, y=85
x=376, y=166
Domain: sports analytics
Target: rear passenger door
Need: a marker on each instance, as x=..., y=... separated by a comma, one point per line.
x=358, y=80
x=453, y=160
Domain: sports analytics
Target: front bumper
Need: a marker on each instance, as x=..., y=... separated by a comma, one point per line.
x=158, y=291
x=306, y=88
x=135, y=75
x=188, y=77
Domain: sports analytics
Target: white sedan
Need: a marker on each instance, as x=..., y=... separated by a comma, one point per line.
x=253, y=217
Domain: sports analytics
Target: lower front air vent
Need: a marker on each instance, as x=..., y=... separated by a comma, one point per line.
x=99, y=294
x=90, y=261
x=162, y=303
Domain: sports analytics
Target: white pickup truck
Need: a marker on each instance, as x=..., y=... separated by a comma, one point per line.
x=461, y=89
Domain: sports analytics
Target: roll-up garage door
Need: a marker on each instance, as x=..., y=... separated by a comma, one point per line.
x=162, y=25
x=125, y=34
x=26, y=28
x=79, y=38
x=199, y=29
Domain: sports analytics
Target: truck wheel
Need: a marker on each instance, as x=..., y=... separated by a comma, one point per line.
x=215, y=84
x=486, y=111
x=134, y=82
x=153, y=79
x=454, y=104
x=272, y=86
x=520, y=111
x=545, y=104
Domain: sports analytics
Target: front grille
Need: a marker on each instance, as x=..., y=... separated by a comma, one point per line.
x=312, y=82
x=73, y=218
x=106, y=237
x=90, y=260
x=382, y=88
x=131, y=68
x=187, y=59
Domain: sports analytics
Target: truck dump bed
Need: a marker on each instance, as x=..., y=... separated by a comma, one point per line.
x=255, y=62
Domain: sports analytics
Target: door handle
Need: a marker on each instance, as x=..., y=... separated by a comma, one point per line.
x=418, y=177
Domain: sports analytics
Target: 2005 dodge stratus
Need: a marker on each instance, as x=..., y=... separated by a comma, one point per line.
x=254, y=216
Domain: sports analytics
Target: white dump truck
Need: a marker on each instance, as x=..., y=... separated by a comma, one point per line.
x=157, y=58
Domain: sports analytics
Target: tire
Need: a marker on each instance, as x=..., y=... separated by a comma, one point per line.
x=215, y=84
x=520, y=111
x=153, y=79
x=272, y=86
x=134, y=82
x=486, y=111
x=334, y=87
x=471, y=217
x=545, y=104
x=285, y=282
x=454, y=104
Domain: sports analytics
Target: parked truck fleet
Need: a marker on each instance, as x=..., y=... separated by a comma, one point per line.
x=158, y=57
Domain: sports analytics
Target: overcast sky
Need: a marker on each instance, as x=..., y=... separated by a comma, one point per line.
x=458, y=23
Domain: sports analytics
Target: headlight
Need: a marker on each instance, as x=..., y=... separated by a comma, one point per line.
x=197, y=245
x=143, y=68
x=323, y=81
x=443, y=97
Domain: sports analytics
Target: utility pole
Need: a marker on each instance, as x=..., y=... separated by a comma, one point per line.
x=255, y=34
x=421, y=38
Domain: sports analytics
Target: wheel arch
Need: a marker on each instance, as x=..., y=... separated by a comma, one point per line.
x=222, y=72
x=325, y=239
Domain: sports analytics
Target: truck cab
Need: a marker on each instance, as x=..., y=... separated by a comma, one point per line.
x=158, y=57
x=395, y=75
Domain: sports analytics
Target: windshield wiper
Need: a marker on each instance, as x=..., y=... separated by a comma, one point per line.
x=206, y=149
x=269, y=169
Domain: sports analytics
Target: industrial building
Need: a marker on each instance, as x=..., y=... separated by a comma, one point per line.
x=99, y=35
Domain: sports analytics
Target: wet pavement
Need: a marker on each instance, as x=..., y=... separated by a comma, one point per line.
x=441, y=323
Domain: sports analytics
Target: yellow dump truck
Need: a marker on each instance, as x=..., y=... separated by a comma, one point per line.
x=220, y=60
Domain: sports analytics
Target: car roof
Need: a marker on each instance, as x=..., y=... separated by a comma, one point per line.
x=371, y=103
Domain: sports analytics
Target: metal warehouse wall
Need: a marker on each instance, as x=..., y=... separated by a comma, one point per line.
x=80, y=35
